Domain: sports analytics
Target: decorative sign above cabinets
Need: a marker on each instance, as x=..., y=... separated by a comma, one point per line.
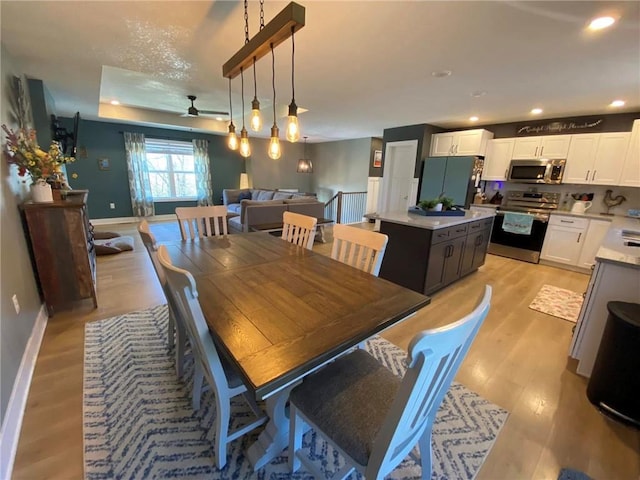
x=565, y=126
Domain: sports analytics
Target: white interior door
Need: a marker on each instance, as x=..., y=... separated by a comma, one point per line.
x=399, y=190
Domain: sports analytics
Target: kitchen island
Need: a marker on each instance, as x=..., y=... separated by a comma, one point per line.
x=426, y=254
x=616, y=277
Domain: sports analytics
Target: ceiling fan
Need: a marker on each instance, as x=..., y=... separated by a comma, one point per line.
x=192, y=111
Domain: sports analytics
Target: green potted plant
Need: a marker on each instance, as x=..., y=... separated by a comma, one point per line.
x=447, y=202
x=431, y=204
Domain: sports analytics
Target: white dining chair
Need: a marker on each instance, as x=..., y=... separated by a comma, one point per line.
x=198, y=222
x=374, y=418
x=221, y=376
x=299, y=229
x=359, y=248
x=176, y=334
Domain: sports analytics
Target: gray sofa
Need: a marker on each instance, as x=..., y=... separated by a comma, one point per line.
x=253, y=207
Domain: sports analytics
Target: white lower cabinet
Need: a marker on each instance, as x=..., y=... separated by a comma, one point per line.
x=595, y=235
x=573, y=241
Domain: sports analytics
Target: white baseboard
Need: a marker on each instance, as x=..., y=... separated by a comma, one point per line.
x=10, y=433
x=112, y=221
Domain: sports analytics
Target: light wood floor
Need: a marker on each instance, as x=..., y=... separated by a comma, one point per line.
x=518, y=361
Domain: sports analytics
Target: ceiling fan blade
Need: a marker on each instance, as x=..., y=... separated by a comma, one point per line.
x=189, y=115
x=213, y=112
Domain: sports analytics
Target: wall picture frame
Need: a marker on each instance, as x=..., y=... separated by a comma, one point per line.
x=377, y=159
x=103, y=163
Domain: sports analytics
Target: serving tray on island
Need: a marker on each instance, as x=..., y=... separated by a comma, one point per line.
x=454, y=212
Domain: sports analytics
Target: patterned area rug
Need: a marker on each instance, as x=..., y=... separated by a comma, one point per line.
x=138, y=420
x=558, y=302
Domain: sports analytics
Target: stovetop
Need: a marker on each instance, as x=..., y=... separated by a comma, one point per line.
x=531, y=201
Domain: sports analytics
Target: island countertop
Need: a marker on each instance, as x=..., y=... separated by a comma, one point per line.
x=432, y=223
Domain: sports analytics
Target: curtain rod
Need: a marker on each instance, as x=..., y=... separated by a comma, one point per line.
x=161, y=137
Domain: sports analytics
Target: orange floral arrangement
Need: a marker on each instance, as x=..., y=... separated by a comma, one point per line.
x=22, y=150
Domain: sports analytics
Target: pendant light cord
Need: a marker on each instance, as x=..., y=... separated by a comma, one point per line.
x=255, y=84
x=230, y=103
x=293, y=70
x=273, y=82
x=242, y=83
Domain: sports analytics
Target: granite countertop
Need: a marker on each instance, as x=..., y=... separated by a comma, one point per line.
x=613, y=249
x=432, y=223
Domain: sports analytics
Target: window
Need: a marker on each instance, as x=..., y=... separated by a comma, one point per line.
x=171, y=170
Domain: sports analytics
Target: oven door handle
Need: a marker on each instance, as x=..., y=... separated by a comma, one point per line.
x=539, y=219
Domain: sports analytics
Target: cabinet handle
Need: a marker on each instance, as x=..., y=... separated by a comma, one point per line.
x=594, y=175
x=579, y=235
x=541, y=149
x=449, y=251
x=586, y=177
x=566, y=221
x=536, y=154
x=506, y=172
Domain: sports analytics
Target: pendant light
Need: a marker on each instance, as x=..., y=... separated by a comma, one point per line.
x=274, y=144
x=304, y=164
x=293, y=129
x=232, y=139
x=256, y=118
x=245, y=149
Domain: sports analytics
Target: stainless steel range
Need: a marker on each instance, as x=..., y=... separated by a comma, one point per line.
x=524, y=245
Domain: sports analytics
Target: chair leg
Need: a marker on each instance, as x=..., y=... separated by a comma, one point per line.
x=181, y=345
x=171, y=329
x=223, y=415
x=198, y=379
x=425, y=453
x=295, y=438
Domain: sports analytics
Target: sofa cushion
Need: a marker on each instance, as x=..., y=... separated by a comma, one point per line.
x=244, y=195
x=281, y=196
x=233, y=208
x=301, y=200
x=262, y=195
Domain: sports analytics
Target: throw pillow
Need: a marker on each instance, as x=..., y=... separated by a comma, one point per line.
x=246, y=195
x=265, y=195
x=281, y=196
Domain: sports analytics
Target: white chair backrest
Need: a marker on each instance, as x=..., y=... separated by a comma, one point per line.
x=198, y=221
x=299, y=229
x=183, y=287
x=434, y=358
x=362, y=249
x=149, y=242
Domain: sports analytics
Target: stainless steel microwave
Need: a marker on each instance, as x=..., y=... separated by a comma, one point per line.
x=543, y=170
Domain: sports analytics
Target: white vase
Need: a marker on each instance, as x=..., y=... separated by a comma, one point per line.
x=41, y=192
x=437, y=208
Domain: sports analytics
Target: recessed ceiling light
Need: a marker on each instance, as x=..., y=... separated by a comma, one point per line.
x=478, y=93
x=617, y=103
x=536, y=111
x=473, y=119
x=441, y=73
x=115, y=102
x=219, y=119
x=601, y=22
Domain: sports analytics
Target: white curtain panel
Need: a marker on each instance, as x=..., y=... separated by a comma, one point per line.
x=203, y=173
x=139, y=184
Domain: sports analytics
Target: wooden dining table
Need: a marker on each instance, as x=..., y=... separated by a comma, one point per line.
x=280, y=312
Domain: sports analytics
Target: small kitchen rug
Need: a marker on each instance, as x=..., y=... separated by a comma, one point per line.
x=558, y=302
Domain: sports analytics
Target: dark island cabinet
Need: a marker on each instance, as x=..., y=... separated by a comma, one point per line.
x=63, y=253
x=427, y=260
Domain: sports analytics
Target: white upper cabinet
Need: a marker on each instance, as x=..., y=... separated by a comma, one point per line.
x=460, y=144
x=582, y=154
x=630, y=176
x=549, y=146
x=496, y=162
x=609, y=159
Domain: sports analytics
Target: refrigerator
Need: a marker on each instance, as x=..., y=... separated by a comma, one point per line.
x=455, y=177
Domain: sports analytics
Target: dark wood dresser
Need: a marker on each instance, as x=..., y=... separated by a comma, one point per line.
x=63, y=250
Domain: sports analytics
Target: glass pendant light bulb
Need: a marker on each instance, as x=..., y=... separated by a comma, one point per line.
x=256, y=118
x=245, y=148
x=232, y=138
x=293, y=129
x=274, y=144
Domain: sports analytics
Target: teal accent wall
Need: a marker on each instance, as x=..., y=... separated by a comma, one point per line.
x=105, y=140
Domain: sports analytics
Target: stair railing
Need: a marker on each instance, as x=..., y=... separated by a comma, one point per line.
x=346, y=207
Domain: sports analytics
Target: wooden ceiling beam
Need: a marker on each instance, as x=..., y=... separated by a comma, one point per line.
x=274, y=33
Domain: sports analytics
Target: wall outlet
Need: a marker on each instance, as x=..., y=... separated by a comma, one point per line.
x=16, y=304
x=112, y=206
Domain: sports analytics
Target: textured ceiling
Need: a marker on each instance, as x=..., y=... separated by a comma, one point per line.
x=361, y=67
